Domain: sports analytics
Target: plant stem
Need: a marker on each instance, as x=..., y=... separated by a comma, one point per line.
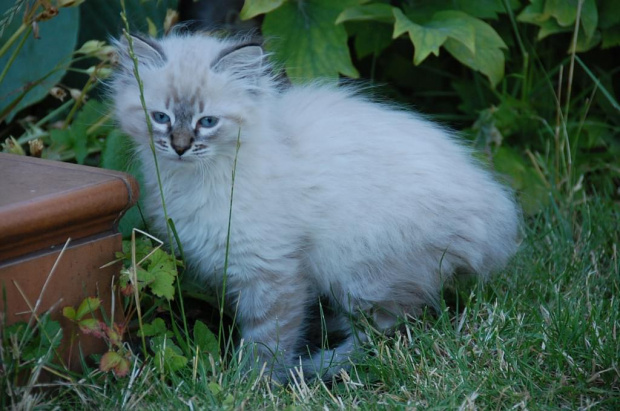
x=225, y=274
x=14, y=55
x=14, y=37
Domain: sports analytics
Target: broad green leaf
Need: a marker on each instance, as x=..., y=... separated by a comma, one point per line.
x=368, y=12
x=116, y=154
x=488, y=57
x=611, y=37
x=307, y=40
x=370, y=37
x=586, y=43
x=484, y=9
x=157, y=327
x=101, y=19
x=68, y=312
x=88, y=305
x=427, y=38
x=564, y=11
x=168, y=354
x=205, y=339
x=162, y=268
x=252, y=8
x=41, y=63
x=550, y=27
x=51, y=333
x=534, y=13
x=113, y=361
x=90, y=326
x=589, y=18
x=523, y=178
x=609, y=13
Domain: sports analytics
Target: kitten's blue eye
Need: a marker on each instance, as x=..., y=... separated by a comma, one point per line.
x=208, y=122
x=159, y=117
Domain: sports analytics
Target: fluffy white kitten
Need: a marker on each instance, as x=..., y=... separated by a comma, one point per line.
x=336, y=196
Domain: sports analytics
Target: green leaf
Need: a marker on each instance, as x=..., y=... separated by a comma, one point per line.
x=368, y=12
x=68, y=312
x=609, y=14
x=488, y=57
x=307, y=40
x=116, y=154
x=162, y=268
x=427, y=38
x=370, y=37
x=51, y=333
x=88, y=305
x=90, y=326
x=157, y=327
x=252, y=8
x=589, y=18
x=168, y=354
x=484, y=9
x=564, y=11
x=550, y=27
x=113, y=361
x=44, y=59
x=101, y=19
x=534, y=13
x=205, y=339
x=611, y=37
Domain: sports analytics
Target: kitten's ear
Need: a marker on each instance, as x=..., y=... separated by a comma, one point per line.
x=147, y=50
x=245, y=61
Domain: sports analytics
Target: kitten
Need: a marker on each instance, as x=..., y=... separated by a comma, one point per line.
x=335, y=196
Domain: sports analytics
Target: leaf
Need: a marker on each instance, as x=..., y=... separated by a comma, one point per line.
x=69, y=312
x=168, y=354
x=155, y=328
x=51, y=333
x=307, y=40
x=88, y=305
x=90, y=326
x=534, y=13
x=427, y=38
x=368, y=12
x=205, y=339
x=370, y=37
x=252, y=8
x=112, y=360
x=101, y=19
x=162, y=269
x=611, y=37
x=564, y=11
x=484, y=9
x=116, y=154
x=45, y=58
x=589, y=18
x=488, y=57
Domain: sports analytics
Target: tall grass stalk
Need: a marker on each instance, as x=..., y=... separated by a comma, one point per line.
x=169, y=223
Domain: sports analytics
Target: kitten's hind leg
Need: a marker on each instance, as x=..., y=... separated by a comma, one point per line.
x=271, y=316
x=326, y=364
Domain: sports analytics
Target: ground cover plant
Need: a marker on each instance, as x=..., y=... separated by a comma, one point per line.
x=532, y=84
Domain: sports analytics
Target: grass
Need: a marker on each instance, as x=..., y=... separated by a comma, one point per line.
x=542, y=334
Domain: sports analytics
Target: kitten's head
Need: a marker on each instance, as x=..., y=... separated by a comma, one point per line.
x=200, y=93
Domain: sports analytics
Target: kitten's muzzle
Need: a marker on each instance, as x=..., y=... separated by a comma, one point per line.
x=181, y=145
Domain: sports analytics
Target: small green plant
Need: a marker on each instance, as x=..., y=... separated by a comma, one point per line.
x=148, y=284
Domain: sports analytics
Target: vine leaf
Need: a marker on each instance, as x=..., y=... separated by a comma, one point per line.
x=470, y=40
x=252, y=8
x=307, y=40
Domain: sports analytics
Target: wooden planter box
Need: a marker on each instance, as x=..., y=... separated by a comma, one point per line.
x=42, y=205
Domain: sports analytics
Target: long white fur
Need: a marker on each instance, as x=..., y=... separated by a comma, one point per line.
x=335, y=195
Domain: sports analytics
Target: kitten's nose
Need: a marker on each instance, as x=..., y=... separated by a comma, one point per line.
x=183, y=145
x=180, y=149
